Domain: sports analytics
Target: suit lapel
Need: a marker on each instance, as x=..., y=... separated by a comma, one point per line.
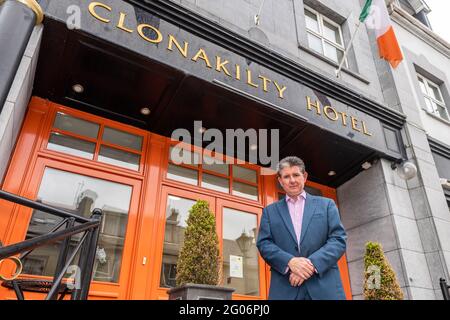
x=283, y=211
x=308, y=212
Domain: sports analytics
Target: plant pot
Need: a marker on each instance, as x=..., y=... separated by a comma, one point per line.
x=192, y=291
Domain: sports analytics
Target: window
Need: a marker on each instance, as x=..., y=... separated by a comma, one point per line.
x=79, y=195
x=324, y=36
x=213, y=174
x=240, y=255
x=434, y=103
x=94, y=141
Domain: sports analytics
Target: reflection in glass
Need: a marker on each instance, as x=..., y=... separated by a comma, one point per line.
x=331, y=33
x=123, y=139
x=311, y=21
x=215, y=183
x=182, y=174
x=75, y=125
x=177, y=213
x=244, y=174
x=76, y=147
x=436, y=94
x=315, y=43
x=215, y=165
x=240, y=255
x=119, y=158
x=333, y=53
x=429, y=105
x=245, y=191
x=183, y=156
x=443, y=113
x=422, y=86
x=81, y=195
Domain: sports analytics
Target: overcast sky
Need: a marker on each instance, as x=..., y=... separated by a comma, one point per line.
x=439, y=17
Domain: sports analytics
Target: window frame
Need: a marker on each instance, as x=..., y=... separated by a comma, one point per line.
x=201, y=171
x=428, y=95
x=98, y=141
x=320, y=20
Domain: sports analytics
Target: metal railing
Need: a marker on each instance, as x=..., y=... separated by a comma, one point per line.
x=86, y=247
x=445, y=289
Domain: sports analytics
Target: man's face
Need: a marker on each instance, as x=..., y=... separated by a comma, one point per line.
x=292, y=180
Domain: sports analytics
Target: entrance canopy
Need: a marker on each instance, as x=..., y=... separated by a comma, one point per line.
x=116, y=70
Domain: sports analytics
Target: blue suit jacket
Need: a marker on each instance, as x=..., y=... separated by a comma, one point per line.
x=323, y=241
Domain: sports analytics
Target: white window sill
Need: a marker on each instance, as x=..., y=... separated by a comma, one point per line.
x=437, y=117
x=334, y=64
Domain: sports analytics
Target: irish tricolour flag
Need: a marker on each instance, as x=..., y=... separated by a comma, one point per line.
x=376, y=16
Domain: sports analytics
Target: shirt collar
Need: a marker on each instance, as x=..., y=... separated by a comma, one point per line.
x=303, y=195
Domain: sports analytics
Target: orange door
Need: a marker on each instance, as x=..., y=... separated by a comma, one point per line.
x=80, y=190
x=243, y=268
x=173, y=213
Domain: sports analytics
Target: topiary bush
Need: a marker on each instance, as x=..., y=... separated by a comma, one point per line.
x=199, y=258
x=380, y=280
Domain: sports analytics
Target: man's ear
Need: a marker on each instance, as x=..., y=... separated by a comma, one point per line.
x=305, y=175
x=279, y=180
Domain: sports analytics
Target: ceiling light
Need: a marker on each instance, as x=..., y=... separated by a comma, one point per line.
x=78, y=88
x=202, y=130
x=254, y=147
x=145, y=111
x=366, y=165
x=332, y=173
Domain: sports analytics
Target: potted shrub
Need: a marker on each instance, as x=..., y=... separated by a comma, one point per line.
x=380, y=281
x=199, y=264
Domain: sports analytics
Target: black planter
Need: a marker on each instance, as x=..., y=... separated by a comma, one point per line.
x=200, y=292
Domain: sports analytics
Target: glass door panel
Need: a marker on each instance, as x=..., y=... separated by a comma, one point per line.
x=174, y=212
x=80, y=195
x=243, y=268
x=81, y=190
x=240, y=255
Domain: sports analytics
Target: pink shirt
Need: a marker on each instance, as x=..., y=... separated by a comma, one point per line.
x=296, y=208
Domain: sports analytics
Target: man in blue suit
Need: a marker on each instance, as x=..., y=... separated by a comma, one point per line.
x=302, y=238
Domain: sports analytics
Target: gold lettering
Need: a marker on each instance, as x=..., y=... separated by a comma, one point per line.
x=201, y=54
x=280, y=89
x=173, y=41
x=141, y=28
x=249, y=79
x=93, y=6
x=365, y=129
x=121, y=25
x=355, y=124
x=327, y=110
x=221, y=66
x=238, y=72
x=311, y=105
x=344, y=118
x=266, y=81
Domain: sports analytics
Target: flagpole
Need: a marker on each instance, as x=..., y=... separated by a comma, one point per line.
x=338, y=71
x=258, y=15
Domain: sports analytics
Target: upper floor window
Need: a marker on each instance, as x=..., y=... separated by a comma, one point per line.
x=324, y=36
x=433, y=98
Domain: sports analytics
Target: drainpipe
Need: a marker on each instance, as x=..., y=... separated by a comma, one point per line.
x=17, y=20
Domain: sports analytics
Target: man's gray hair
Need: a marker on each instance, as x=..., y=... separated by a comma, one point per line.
x=291, y=162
